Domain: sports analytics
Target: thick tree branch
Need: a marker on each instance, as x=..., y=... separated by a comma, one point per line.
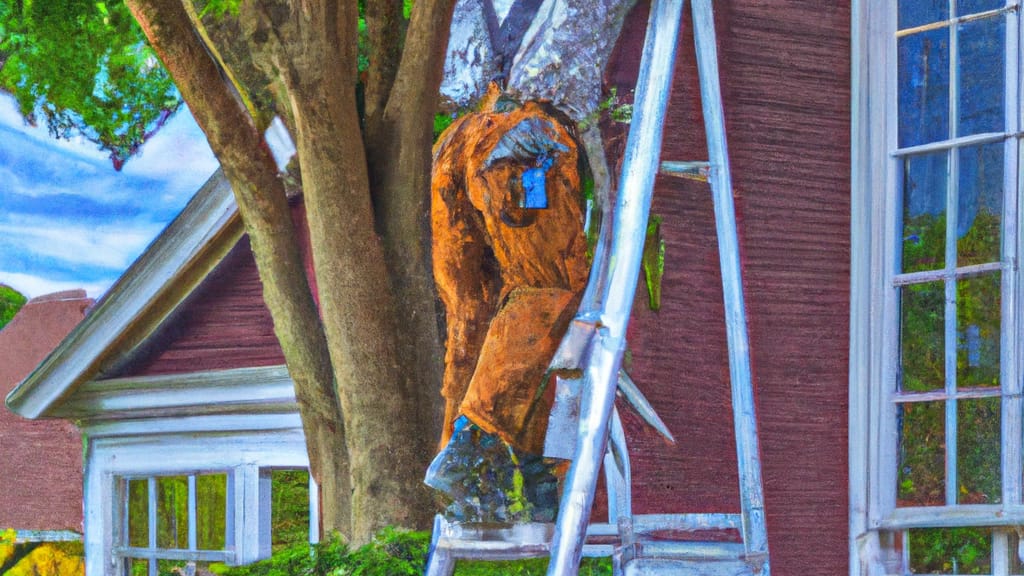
x=260, y=194
x=385, y=26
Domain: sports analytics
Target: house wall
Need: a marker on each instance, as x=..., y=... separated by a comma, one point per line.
x=785, y=68
x=786, y=89
x=40, y=460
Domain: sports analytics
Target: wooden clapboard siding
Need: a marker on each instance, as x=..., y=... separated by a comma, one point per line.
x=785, y=74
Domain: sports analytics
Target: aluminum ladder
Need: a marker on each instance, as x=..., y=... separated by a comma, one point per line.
x=596, y=341
x=637, y=553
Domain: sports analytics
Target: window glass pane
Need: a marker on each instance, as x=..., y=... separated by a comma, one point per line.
x=172, y=512
x=289, y=509
x=964, y=7
x=978, y=451
x=917, y=12
x=951, y=551
x=981, y=68
x=978, y=317
x=137, y=567
x=922, y=469
x=924, y=212
x=138, y=512
x=923, y=83
x=211, y=511
x=1015, y=563
x=922, y=337
x=980, y=204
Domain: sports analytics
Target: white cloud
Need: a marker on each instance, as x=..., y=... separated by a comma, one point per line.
x=32, y=285
x=178, y=154
x=10, y=116
x=70, y=215
x=109, y=246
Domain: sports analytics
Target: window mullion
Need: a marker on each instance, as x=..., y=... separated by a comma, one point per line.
x=1010, y=343
x=192, y=536
x=151, y=493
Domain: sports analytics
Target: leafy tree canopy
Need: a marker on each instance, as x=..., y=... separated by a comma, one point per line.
x=10, y=302
x=83, y=67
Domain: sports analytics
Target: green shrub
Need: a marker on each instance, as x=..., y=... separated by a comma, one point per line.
x=392, y=553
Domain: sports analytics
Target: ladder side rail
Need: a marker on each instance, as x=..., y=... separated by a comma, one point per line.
x=636, y=186
x=745, y=421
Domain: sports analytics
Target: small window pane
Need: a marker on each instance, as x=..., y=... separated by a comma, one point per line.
x=965, y=7
x=979, y=213
x=923, y=83
x=951, y=551
x=917, y=12
x=138, y=513
x=982, y=64
x=1015, y=563
x=211, y=511
x=924, y=212
x=137, y=567
x=289, y=507
x=922, y=337
x=978, y=451
x=922, y=469
x=978, y=333
x=172, y=512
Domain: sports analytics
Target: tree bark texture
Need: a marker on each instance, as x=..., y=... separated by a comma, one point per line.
x=510, y=277
x=249, y=166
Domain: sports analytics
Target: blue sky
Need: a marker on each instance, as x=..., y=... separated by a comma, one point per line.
x=69, y=220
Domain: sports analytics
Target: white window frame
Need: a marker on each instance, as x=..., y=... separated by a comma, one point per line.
x=248, y=447
x=874, y=339
x=124, y=553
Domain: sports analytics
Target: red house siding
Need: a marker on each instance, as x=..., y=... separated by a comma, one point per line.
x=40, y=460
x=785, y=75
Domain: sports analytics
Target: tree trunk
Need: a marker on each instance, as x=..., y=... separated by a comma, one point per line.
x=373, y=300
x=260, y=194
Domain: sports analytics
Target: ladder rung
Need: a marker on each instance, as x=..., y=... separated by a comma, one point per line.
x=704, y=551
x=646, y=523
x=698, y=170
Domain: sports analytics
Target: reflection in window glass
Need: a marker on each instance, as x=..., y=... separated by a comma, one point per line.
x=922, y=470
x=211, y=511
x=982, y=45
x=923, y=80
x=951, y=551
x=138, y=512
x=924, y=211
x=172, y=512
x=922, y=337
x=978, y=451
x=289, y=509
x=964, y=7
x=978, y=333
x=138, y=567
x=917, y=12
x=1015, y=563
x=979, y=214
